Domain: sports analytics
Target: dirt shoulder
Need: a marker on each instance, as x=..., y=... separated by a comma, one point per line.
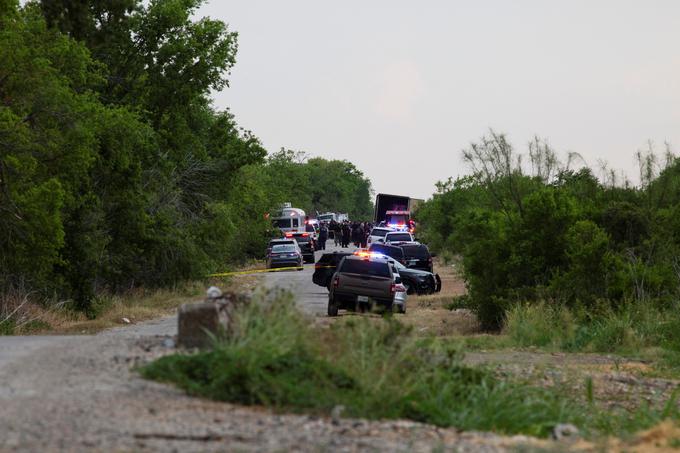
x=82, y=394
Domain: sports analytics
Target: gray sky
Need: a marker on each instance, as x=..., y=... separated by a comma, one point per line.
x=401, y=87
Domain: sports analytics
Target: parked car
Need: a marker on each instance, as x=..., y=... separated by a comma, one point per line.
x=312, y=227
x=393, y=251
x=278, y=241
x=326, y=267
x=417, y=256
x=360, y=282
x=400, y=296
x=306, y=244
x=398, y=237
x=417, y=281
x=285, y=255
x=377, y=235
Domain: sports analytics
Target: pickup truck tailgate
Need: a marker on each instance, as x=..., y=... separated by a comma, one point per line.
x=365, y=285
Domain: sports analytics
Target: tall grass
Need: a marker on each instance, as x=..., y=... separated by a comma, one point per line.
x=628, y=329
x=374, y=368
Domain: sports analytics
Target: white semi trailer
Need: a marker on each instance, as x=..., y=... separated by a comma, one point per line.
x=328, y=216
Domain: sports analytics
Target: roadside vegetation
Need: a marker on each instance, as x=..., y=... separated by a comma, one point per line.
x=116, y=171
x=376, y=368
x=27, y=316
x=559, y=257
x=633, y=331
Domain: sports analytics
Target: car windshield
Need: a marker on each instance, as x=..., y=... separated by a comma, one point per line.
x=416, y=251
x=282, y=248
x=302, y=238
x=393, y=252
x=281, y=223
x=379, y=232
x=366, y=267
x=280, y=242
x=401, y=237
x=400, y=267
x=333, y=258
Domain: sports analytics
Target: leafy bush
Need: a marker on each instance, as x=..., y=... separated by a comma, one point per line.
x=547, y=232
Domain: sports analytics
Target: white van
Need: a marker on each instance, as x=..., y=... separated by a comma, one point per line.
x=289, y=219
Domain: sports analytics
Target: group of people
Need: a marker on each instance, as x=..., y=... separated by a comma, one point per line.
x=344, y=233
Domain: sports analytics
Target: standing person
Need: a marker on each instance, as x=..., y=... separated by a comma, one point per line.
x=356, y=235
x=365, y=232
x=345, y=235
x=323, y=236
x=337, y=232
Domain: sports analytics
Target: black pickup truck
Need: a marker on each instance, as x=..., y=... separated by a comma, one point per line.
x=325, y=268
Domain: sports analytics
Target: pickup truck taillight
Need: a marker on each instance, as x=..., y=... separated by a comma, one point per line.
x=393, y=288
x=336, y=282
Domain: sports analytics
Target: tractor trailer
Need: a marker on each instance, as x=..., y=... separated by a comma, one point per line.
x=395, y=210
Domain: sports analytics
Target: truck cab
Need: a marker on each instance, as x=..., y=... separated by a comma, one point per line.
x=400, y=220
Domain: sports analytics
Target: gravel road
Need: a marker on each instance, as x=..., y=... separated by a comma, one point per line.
x=81, y=393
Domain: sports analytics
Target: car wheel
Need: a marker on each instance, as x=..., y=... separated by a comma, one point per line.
x=332, y=307
x=399, y=308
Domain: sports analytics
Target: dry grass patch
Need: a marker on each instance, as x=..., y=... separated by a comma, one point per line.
x=430, y=315
x=26, y=317
x=136, y=306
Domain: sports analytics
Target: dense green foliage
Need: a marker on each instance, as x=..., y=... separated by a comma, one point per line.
x=374, y=368
x=115, y=169
x=542, y=231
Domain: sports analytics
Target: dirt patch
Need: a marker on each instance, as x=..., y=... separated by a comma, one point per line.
x=429, y=315
x=664, y=437
x=439, y=321
x=452, y=281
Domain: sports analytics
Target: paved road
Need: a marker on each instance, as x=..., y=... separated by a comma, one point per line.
x=311, y=299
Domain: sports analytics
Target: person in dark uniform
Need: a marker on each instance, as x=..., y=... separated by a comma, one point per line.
x=365, y=231
x=345, y=235
x=323, y=236
x=335, y=228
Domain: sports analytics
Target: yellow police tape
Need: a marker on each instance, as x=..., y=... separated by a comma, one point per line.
x=260, y=271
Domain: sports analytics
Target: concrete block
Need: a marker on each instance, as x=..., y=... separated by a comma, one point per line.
x=197, y=322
